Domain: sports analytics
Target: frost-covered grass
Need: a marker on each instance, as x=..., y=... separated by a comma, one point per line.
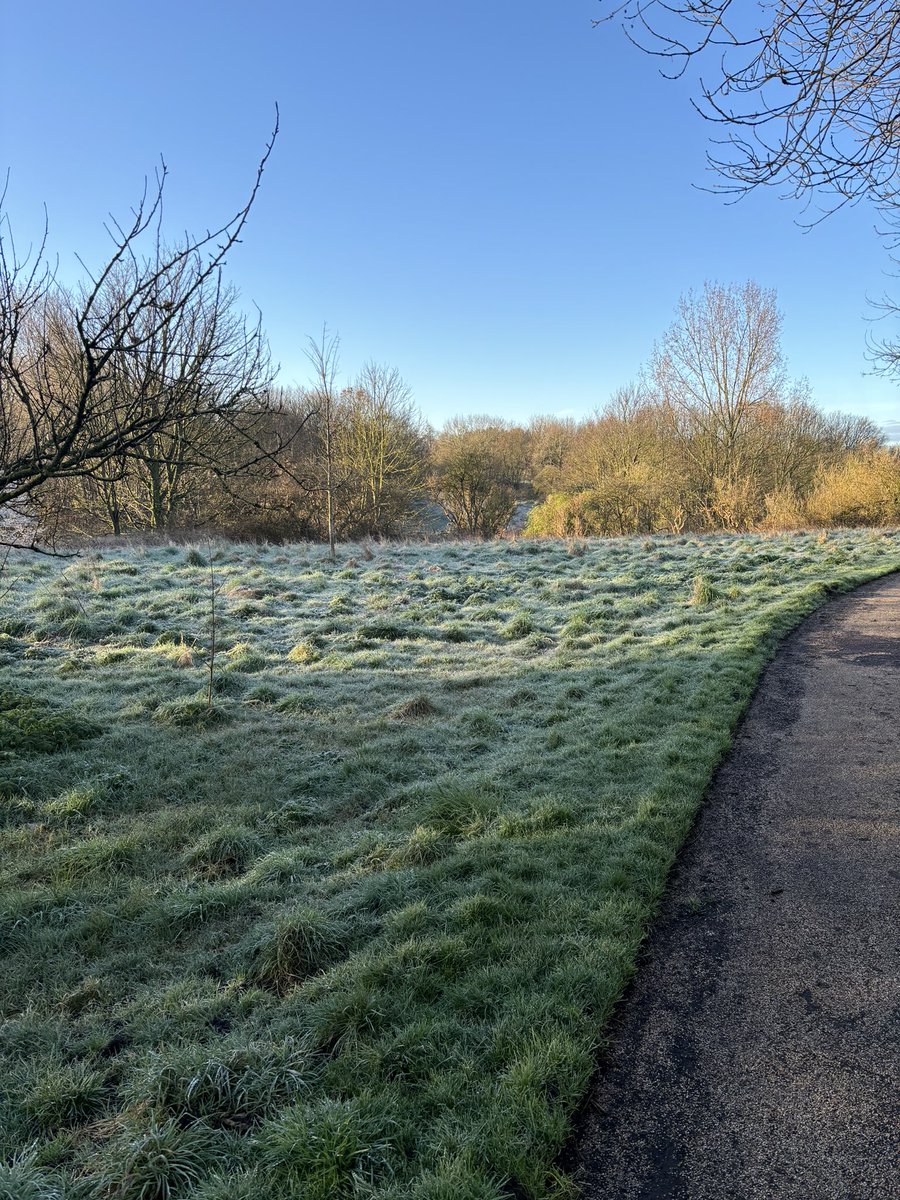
x=357, y=930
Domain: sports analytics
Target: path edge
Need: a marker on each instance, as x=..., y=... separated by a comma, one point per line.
x=786, y=630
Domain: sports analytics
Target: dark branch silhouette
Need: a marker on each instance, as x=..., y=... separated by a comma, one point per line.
x=150, y=347
x=807, y=93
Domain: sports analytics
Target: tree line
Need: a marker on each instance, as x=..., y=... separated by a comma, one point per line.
x=713, y=436
x=143, y=401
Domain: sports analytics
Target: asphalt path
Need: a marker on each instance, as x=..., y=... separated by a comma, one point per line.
x=756, y=1054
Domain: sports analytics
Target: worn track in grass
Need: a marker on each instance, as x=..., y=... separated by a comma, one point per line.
x=756, y=1054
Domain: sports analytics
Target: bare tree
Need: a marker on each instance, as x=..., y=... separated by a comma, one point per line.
x=552, y=440
x=628, y=467
x=381, y=449
x=884, y=349
x=222, y=433
x=808, y=93
x=324, y=357
x=475, y=470
x=715, y=368
x=620, y=438
x=89, y=376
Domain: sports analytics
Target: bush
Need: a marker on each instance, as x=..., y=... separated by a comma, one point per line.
x=615, y=507
x=784, y=510
x=560, y=515
x=862, y=490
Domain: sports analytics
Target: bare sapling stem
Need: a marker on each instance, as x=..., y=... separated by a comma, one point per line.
x=212, y=636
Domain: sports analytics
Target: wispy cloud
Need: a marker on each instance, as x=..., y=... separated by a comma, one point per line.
x=892, y=430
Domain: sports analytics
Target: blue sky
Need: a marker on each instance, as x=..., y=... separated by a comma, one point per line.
x=491, y=195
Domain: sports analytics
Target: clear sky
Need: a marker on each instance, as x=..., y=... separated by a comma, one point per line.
x=491, y=195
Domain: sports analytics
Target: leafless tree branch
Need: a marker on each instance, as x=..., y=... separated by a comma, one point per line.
x=89, y=376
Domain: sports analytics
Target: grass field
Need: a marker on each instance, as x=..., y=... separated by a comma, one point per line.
x=355, y=931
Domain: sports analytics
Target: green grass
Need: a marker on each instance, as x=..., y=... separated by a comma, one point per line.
x=356, y=930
